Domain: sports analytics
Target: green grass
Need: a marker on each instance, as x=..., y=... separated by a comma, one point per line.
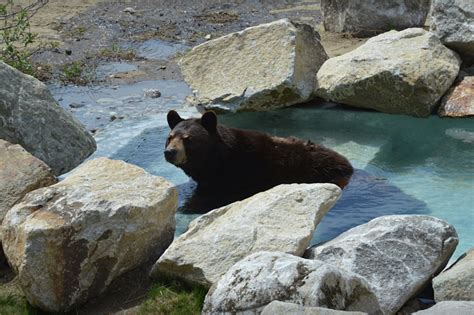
x=115, y=52
x=15, y=305
x=75, y=73
x=173, y=299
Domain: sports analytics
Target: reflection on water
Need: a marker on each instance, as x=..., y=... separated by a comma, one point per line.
x=404, y=165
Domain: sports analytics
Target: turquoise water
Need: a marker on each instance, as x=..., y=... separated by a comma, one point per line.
x=404, y=165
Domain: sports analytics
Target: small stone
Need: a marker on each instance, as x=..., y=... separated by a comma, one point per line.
x=208, y=36
x=68, y=52
x=76, y=105
x=130, y=10
x=152, y=93
x=162, y=67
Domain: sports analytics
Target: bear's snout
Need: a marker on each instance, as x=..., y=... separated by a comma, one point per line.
x=170, y=155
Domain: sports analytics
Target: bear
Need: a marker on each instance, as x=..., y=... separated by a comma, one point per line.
x=244, y=162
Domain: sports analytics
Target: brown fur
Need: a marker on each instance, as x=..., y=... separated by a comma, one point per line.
x=217, y=156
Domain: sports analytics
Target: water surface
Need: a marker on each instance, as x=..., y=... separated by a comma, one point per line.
x=404, y=165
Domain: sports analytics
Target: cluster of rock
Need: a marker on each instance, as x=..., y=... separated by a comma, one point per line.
x=253, y=260
x=400, y=72
x=68, y=241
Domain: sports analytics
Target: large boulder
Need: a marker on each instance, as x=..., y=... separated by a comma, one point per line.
x=280, y=219
x=453, y=22
x=262, y=67
x=30, y=116
x=456, y=283
x=67, y=242
x=397, y=255
x=369, y=17
x=449, y=307
x=459, y=101
x=285, y=308
x=403, y=72
x=20, y=173
x=263, y=277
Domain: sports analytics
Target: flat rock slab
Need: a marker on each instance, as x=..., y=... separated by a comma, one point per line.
x=285, y=308
x=397, y=255
x=456, y=283
x=283, y=218
x=403, y=72
x=30, y=116
x=453, y=22
x=67, y=242
x=370, y=17
x=20, y=173
x=459, y=101
x=449, y=307
x=262, y=67
x=263, y=277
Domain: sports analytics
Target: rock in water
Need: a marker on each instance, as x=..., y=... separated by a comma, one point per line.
x=30, y=116
x=456, y=283
x=20, y=173
x=67, y=242
x=459, y=101
x=280, y=219
x=263, y=277
x=453, y=22
x=403, y=72
x=369, y=17
x=262, y=67
x=397, y=254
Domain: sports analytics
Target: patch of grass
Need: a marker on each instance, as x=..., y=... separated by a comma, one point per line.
x=117, y=53
x=173, y=299
x=14, y=305
x=78, y=72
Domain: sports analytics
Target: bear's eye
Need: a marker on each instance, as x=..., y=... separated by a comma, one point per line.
x=168, y=140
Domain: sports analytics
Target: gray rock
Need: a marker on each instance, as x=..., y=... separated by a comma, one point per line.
x=263, y=277
x=369, y=17
x=457, y=282
x=69, y=241
x=285, y=308
x=397, y=255
x=453, y=22
x=20, y=173
x=283, y=218
x=262, y=67
x=30, y=116
x=403, y=72
x=449, y=307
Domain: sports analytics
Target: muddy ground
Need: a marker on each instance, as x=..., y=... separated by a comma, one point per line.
x=89, y=32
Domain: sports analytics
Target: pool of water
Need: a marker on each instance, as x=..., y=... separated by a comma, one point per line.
x=404, y=165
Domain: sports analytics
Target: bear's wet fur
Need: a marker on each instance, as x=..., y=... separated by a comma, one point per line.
x=244, y=162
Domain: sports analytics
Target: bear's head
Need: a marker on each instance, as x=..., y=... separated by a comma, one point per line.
x=190, y=140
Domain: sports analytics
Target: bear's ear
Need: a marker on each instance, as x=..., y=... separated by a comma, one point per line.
x=209, y=121
x=173, y=118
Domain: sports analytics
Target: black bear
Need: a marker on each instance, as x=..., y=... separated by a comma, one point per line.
x=245, y=162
